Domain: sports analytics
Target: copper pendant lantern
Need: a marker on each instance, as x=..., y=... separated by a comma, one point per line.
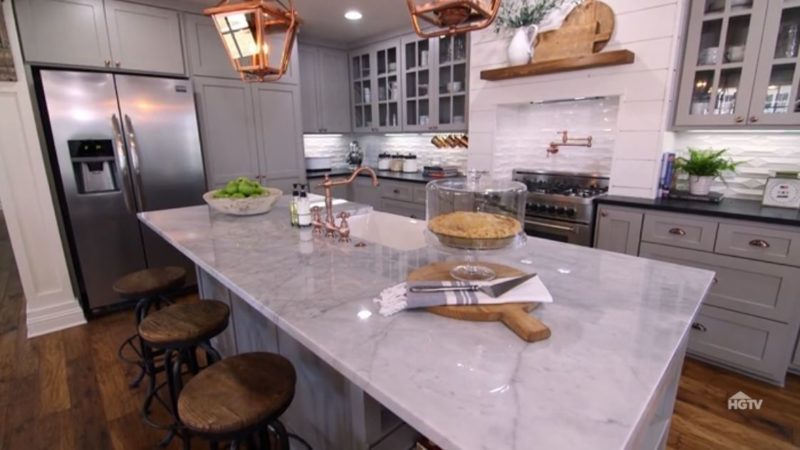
x=258, y=35
x=449, y=17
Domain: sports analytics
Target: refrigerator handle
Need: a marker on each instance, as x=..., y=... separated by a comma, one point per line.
x=122, y=162
x=133, y=146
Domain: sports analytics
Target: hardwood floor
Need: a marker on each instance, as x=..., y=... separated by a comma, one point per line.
x=67, y=390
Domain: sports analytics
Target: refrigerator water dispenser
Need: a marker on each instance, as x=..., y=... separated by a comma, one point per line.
x=94, y=165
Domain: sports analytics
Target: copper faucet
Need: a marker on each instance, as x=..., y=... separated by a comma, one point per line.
x=567, y=141
x=330, y=224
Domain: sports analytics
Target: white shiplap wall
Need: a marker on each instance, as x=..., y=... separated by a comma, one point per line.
x=649, y=28
x=337, y=146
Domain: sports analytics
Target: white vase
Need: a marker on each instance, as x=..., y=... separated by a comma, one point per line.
x=700, y=185
x=520, y=49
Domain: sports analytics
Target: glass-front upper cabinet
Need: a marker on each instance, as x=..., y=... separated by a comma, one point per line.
x=435, y=83
x=452, y=82
x=361, y=74
x=776, y=95
x=417, y=63
x=375, y=79
x=720, y=62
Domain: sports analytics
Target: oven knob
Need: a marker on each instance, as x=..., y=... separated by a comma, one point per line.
x=571, y=212
x=551, y=209
x=531, y=206
x=560, y=210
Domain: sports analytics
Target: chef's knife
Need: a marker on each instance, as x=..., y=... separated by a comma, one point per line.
x=492, y=290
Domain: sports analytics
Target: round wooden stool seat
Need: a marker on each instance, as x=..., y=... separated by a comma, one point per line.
x=150, y=282
x=185, y=323
x=238, y=394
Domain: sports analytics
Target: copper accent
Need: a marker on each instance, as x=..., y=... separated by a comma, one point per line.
x=316, y=220
x=567, y=141
x=258, y=24
x=451, y=16
x=760, y=243
x=677, y=231
x=330, y=225
x=344, y=227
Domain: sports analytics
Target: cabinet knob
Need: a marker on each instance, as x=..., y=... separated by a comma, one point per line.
x=108, y=63
x=117, y=63
x=760, y=243
x=699, y=327
x=603, y=214
x=677, y=231
x=739, y=119
x=754, y=119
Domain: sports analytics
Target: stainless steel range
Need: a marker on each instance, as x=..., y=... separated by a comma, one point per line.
x=560, y=205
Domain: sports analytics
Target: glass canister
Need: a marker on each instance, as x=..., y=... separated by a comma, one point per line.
x=384, y=161
x=397, y=163
x=410, y=163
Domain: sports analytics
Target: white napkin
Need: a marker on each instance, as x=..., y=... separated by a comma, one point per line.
x=396, y=298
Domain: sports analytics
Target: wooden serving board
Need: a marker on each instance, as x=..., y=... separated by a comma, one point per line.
x=514, y=315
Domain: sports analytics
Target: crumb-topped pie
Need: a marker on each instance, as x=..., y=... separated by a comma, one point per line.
x=475, y=225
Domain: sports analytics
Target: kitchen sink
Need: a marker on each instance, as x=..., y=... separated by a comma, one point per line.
x=397, y=232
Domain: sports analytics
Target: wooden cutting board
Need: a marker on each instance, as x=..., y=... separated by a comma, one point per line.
x=514, y=315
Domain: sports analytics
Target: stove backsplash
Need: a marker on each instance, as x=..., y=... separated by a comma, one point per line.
x=524, y=132
x=337, y=146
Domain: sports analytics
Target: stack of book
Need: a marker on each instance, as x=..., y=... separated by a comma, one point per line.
x=666, y=175
x=440, y=171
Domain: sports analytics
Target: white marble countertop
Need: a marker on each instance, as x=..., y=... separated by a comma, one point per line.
x=617, y=322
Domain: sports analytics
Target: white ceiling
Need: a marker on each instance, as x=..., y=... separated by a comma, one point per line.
x=324, y=22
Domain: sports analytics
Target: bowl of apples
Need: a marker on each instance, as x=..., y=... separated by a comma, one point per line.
x=243, y=197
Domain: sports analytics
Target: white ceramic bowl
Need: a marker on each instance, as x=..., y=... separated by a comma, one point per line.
x=249, y=206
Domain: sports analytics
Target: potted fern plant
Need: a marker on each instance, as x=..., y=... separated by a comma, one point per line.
x=703, y=166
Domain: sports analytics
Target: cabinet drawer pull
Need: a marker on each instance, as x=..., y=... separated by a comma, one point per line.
x=603, y=214
x=699, y=327
x=108, y=63
x=396, y=191
x=715, y=280
x=117, y=63
x=760, y=243
x=677, y=231
x=754, y=119
x=739, y=119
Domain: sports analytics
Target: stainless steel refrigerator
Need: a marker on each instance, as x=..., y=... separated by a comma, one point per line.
x=119, y=144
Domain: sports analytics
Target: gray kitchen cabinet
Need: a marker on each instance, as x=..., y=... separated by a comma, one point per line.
x=324, y=90
x=228, y=129
x=680, y=231
x=759, y=346
x=435, y=83
x=210, y=288
x=279, y=134
x=740, y=67
x=375, y=88
x=752, y=287
x=795, y=366
x=765, y=243
x=144, y=38
x=363, y=192
x=205, y=51
x=70, y=32
x=254, y=332
x=401, y=208
x=618, y=230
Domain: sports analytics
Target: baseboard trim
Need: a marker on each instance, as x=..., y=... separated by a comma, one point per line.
x=52, y=318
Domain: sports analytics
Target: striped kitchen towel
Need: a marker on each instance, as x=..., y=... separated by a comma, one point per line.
x=397, y=298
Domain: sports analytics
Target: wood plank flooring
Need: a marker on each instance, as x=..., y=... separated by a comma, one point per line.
x=67, y=390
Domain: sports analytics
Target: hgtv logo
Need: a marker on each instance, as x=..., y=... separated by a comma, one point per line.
x=742, y=401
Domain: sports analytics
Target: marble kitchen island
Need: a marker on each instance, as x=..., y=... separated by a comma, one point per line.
x=606, y=379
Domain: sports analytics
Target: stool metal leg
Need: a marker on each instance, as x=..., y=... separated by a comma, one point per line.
x=263, y=437
x=280, y=431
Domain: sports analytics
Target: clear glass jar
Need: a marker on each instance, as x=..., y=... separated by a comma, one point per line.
x=397, y=163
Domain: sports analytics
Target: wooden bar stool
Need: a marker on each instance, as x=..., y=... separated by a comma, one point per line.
x=179, y=331
x=239, y=399
x=151, y=288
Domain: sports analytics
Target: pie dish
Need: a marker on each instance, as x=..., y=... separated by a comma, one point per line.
x=474, y=230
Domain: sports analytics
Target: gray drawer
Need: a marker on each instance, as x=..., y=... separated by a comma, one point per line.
x=761, y=242
x=397, y=191
x=679, y=231
x=420, y=194
x=752, y=287
x=750, y=343
x=406, y=209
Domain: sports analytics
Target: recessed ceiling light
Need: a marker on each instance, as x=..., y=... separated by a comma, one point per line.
x=353, y=15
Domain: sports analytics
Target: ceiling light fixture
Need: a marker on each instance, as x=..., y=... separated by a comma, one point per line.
x=258, y=35
x=353, y=15
x=450, y=17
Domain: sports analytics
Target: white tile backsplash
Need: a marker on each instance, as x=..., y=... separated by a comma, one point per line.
x=760, y=154
x=524, y=131
x=419, y=144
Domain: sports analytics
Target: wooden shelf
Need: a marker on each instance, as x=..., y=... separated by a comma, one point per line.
x=603, y=59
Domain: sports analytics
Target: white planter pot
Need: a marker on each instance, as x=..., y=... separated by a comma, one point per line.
x=700, y=185
x=520, y=49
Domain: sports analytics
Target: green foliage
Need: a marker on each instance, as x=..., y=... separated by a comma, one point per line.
x=705, y=163
x=523, y=13
x=241, y=187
